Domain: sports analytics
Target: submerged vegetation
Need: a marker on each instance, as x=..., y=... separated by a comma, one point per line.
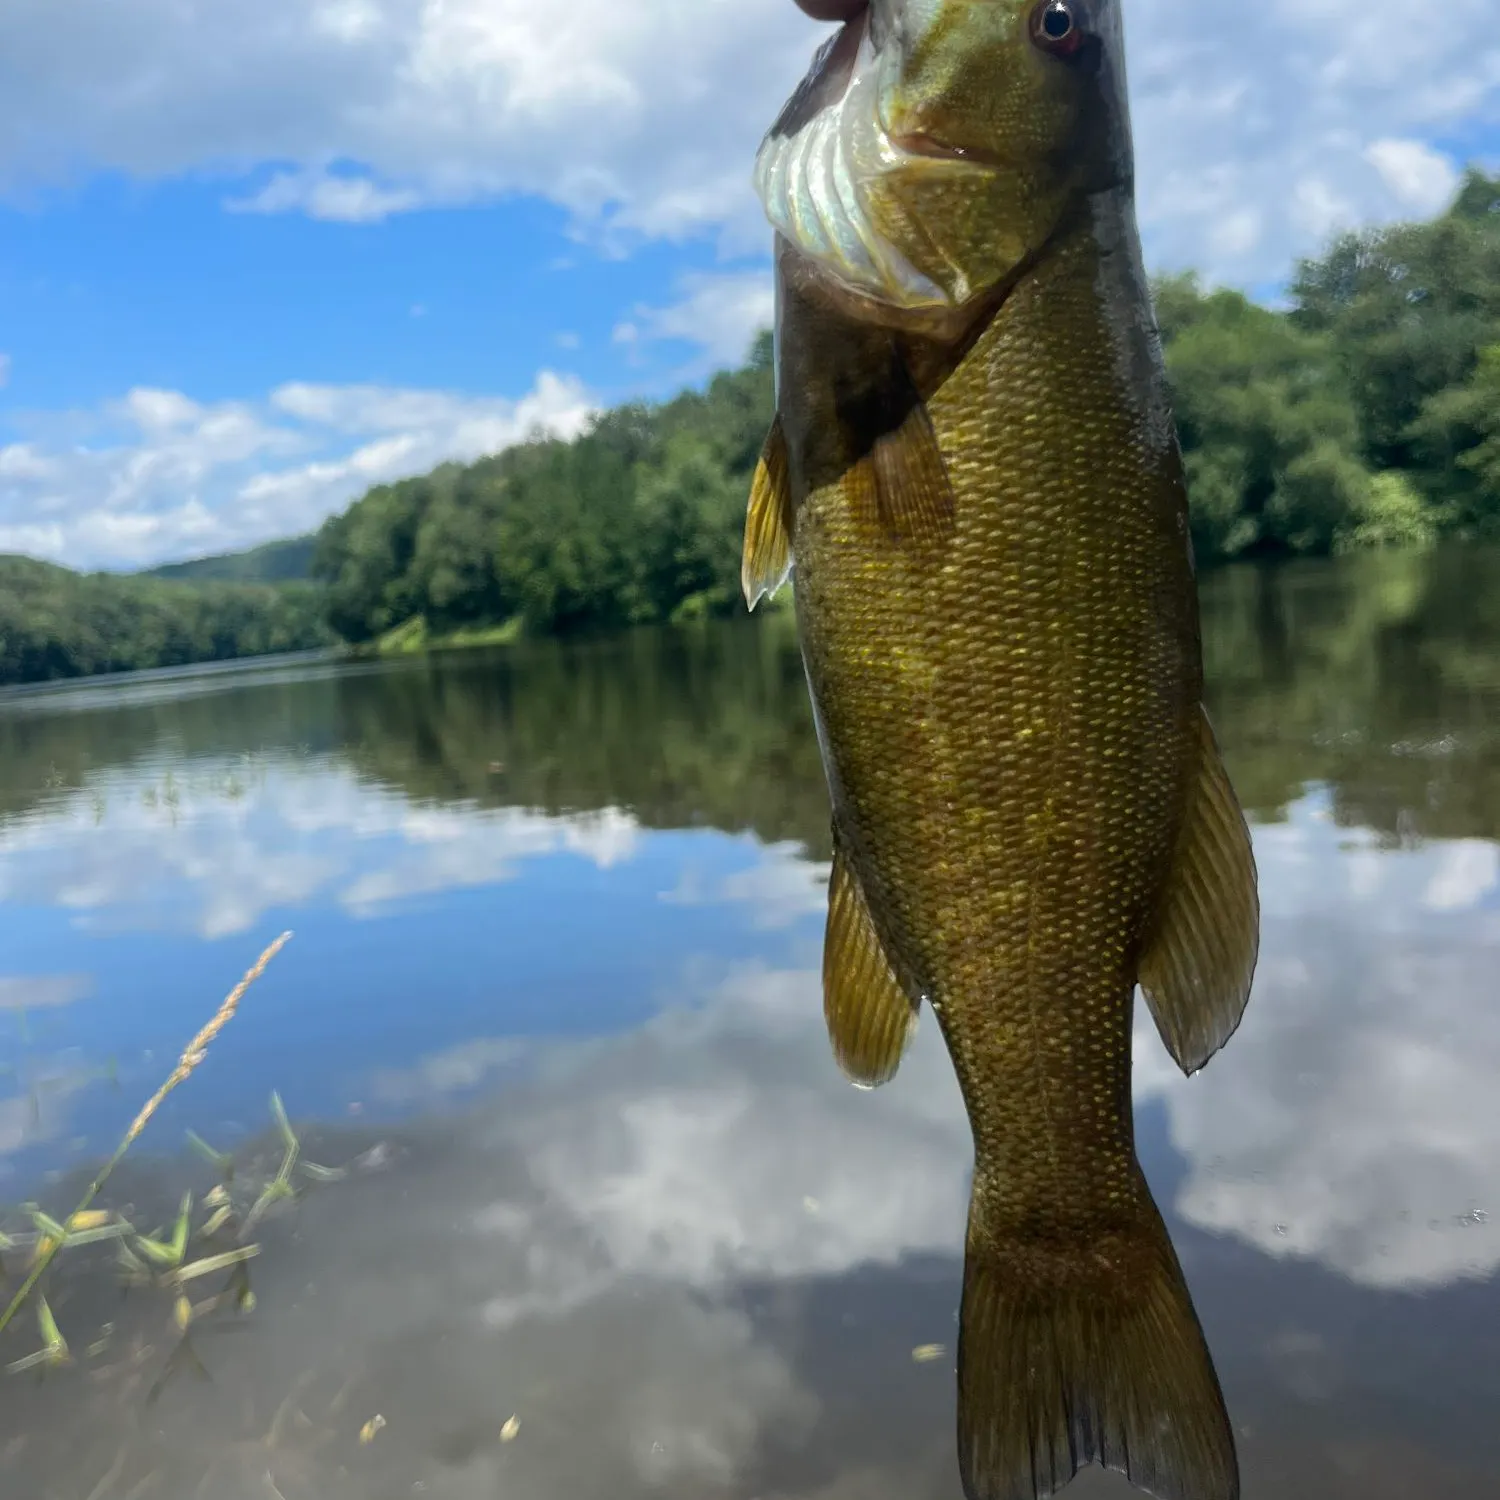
x=1365, y=414
x=179, y=1262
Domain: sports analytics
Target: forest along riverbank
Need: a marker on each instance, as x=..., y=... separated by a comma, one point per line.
x=1364, y=415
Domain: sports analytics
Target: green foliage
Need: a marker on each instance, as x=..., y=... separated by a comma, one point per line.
x=1361, y=416
x=56, y=623
x=1393, y=514
x=636, y=521
x=272, y=562
x=1266, y=424
x=1366, y=415
x=1409, y=313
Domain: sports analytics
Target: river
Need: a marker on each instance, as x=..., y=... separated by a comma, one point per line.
x=602, y=1217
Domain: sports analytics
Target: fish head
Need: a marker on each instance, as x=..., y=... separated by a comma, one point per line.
x=936, y=145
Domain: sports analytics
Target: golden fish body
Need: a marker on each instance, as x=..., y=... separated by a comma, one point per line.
x=977, y=474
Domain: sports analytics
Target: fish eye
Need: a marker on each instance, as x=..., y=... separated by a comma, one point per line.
x=1055, y=27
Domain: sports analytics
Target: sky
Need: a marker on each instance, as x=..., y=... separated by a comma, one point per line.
x=258, y=255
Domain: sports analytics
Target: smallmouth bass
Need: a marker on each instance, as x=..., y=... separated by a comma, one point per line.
x=975, y=470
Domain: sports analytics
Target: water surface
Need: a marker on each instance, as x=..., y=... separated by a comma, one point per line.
x=553, y=996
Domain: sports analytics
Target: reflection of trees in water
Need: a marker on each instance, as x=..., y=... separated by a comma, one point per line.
x=1377, y=674
x=700, y=727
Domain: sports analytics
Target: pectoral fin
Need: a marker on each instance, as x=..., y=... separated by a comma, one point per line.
x=870, y=1020
x=768, y=526
x=901, y=486
x=1197, y=969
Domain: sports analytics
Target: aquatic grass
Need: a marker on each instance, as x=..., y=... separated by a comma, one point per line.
x=169, y=1253
x=221, y=1162
x=161, y=1259
x=54, y=1350
x=187, y=1064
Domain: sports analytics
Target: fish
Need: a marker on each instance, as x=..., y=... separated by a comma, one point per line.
x=974, y=482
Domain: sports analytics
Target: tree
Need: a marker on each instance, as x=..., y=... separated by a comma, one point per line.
x=1267, y=426
x=1363, y=415
x=56, y=623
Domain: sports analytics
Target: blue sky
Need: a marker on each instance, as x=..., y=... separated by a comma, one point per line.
x=259, y=254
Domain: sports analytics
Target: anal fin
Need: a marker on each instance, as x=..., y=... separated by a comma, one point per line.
x=767, y=557
x=1198, y=967
x=870, y=1019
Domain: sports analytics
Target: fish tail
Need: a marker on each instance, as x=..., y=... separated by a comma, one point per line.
x=1086, y=1352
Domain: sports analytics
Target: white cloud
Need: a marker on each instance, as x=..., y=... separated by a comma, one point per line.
x=1258, y=127
x=720, y=312
x=618, y=112
x=32, y=1119
x=43, y=991
x=325, y=195
x=720, y=1142
x=1351, y=1121
x=781, y=888
x=1468, y=870
x=1287, y=112
x=440, y=1074
x=156, y=475
x=1421, y=179
x=159, y=411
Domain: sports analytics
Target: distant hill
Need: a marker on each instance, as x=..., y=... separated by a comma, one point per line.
x=58, y=623
x=272, y=562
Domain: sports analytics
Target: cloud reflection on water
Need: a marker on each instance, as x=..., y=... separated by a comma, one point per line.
x=1352, y=1120
x=629, y=1239
x=216, y=845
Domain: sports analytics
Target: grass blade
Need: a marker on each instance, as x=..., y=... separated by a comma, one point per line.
x=215, y=1222
x=221, y=1163
x=100, y=1236
x=183, y=1226
x=211, y=1263
x=49, y=1226
x=157, y=1252
x=56, y=1344
x=284, y=1125
x=192, y=1056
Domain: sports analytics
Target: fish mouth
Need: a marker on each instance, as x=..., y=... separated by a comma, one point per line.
x=919, y=143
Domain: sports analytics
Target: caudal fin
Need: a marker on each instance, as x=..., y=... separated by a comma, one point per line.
x=1088, y=1353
